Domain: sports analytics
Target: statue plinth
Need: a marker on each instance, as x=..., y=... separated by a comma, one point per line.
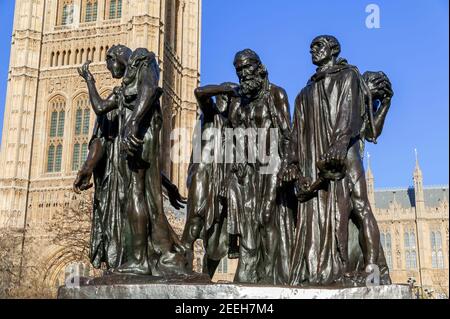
x=199, y=287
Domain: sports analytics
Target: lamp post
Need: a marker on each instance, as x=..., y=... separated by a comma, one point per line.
x=419, y=291
x=415, y=288
x=429, y=293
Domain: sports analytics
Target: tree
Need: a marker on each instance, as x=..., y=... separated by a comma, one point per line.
x=70, y=226
x=9, y=238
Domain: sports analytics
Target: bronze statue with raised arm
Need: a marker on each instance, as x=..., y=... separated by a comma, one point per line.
x=130, y=232
x=378, y=92
x=206, y=211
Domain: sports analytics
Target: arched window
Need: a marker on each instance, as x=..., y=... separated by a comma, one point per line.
x=65, y=12
x=93, y=55
x=51, y=158
x=82, y=56
x=440, y=256
x=69, y=53
x=56, y=133
x=407, y=254
x=61, y=120
x=77, y=52
x=84, y=151
x=57, y=123
x=410, y=250
x=52, y=59
x=90, y=10
x=76, y=157
x=412, y=242
x=386, y=242
x=58, y=158
x=57, y=59
x=114, y=8
x=100, y=54
x=437, y=258
x=81, y=131
x=82, y=116
x=53, y=123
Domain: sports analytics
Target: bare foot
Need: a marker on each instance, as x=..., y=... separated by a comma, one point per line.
x=368, y=277
x=134, y=268
x=173, y=263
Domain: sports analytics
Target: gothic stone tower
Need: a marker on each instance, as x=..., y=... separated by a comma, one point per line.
x=47, y=121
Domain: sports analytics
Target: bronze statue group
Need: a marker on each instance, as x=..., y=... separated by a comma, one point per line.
x=287, y=199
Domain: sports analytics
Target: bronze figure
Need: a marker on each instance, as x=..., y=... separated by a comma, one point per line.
x=333, y=113
x=206, y=211
x=379, y=93
x=130, y=232
x=257, y=207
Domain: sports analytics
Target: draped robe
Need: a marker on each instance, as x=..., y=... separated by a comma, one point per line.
x=111, y=230
x=327, y=111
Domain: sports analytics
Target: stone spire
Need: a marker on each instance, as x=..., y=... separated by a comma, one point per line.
x=418, y=184
x=370, y=183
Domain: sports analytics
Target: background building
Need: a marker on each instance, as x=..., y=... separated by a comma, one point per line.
x=48, y=122
x=414, y=231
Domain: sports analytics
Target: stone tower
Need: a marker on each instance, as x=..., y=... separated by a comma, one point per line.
x=48, y=121
x=370, y=183
x=418, y=185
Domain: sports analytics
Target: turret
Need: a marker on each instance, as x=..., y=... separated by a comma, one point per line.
x=370, y=183
x=418, y=185
x=20, y=110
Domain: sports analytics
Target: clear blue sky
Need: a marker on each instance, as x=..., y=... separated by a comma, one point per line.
x=411, y=47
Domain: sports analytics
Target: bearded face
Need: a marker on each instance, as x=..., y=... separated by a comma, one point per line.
x=250, y=77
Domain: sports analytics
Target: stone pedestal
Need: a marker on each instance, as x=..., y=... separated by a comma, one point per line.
x=199, y=287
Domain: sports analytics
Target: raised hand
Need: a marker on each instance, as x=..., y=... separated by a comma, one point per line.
x=379, y=85
x=84, y=71
x=231, y=89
